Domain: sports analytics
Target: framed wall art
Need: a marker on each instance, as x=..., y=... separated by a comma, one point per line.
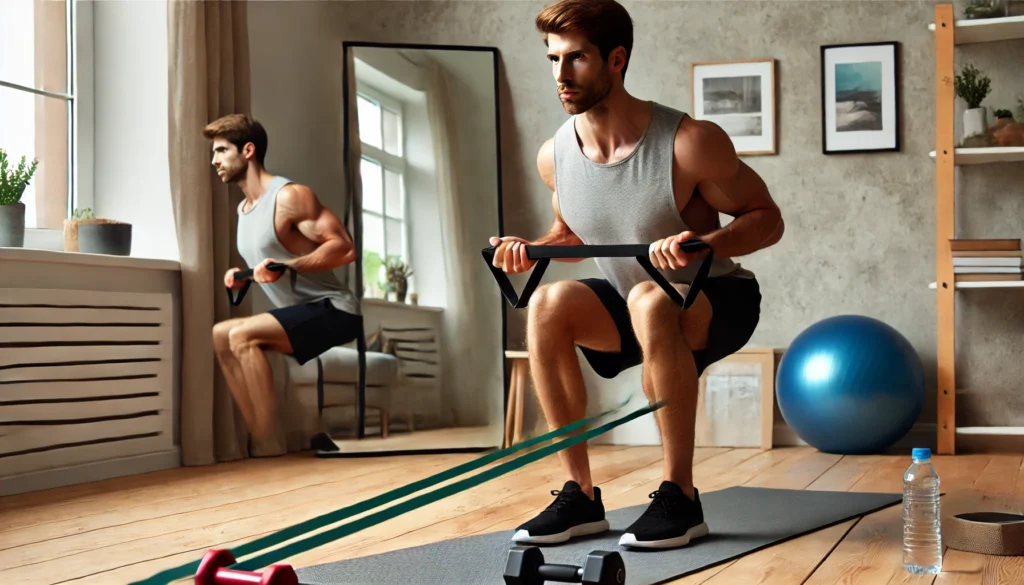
x=738, y=96
x=860, y=98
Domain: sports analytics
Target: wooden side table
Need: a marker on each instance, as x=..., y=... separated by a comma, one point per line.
x=516, y=388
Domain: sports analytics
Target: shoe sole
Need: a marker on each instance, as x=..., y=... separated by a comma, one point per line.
x=578, y=530
x=691, y=534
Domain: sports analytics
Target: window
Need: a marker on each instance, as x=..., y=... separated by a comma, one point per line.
x=382, y=170
x=38, y=104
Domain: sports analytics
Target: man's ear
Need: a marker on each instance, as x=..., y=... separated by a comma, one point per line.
x=249, y=150
x=617, y=59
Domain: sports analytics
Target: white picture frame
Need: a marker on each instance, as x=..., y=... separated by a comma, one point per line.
x=740, y=97
x=736, y=401
x=860, y=98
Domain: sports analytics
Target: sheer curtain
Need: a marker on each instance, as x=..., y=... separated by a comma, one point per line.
x=460, y=329
x=208, y=69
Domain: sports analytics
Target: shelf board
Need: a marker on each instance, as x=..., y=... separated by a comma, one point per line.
x=985, y=284
x=987, y=30
x=990, y=430
x=981, y=156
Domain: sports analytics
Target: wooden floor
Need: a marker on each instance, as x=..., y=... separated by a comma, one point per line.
x=122, y=530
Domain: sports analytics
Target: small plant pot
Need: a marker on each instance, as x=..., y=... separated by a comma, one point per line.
x=114, y=239
x=975, y=121
x=12, y=225
x=71, y=231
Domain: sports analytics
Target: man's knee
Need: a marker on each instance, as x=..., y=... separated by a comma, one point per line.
x=241, y=337
x=654, y=314
x=650, y=305
x=552, y=304
x=221, y=335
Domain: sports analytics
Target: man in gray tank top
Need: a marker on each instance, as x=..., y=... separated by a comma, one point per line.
x=283, y=222
x=627, y=171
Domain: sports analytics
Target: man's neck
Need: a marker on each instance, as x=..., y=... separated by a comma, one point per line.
x=617, y=122
x=255, y=183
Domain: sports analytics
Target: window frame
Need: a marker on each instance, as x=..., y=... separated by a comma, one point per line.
x=78, y=40
x=388, y=162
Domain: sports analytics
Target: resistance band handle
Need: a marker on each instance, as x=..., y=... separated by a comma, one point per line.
x=544, y=254
x=247, y=276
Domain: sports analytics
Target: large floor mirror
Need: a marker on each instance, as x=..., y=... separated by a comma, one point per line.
x=422, y=145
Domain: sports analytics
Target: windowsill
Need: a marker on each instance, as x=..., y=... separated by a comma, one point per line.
x=375, y=302
x=103, y=260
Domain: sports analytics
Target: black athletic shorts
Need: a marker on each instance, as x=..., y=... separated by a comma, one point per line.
x=736, y=307
x=315, y=327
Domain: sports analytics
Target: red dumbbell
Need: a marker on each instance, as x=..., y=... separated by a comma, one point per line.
x=213, y=571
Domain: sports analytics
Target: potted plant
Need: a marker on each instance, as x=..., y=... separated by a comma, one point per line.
x=979, y=9
x=398, y=274
x=1006, y=131
x=12, y=210
x=71, y=227
x=973, y=88
x=86, y=233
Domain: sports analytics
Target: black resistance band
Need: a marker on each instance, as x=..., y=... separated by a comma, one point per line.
x=247, y=276
x=544, y=254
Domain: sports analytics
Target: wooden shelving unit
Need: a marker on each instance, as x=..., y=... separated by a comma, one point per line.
x=949, y=33
x=984, y=156
x=986, y=284
x=987, y=30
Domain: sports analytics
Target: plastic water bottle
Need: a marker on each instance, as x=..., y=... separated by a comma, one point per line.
x=922, y=531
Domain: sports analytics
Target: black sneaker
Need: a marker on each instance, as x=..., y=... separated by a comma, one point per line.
x=571, y=514
x=671, y=520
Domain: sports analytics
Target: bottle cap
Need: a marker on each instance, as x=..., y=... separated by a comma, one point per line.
x=921, y=453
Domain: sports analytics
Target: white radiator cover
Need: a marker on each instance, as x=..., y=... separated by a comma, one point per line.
x=86, y=383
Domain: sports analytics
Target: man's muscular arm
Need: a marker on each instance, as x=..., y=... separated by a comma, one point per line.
x=704, y=151
x=510, y=252
x=559, y=234
x=319, y=224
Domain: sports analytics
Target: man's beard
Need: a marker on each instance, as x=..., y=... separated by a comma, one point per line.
x=235, y=176
x=586, y=99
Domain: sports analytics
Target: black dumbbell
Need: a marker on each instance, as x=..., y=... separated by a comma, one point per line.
x=525, y=566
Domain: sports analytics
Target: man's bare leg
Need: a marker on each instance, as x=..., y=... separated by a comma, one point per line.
x=248, y=340
x=668, y=337
x=562, y=315
x=230, y=367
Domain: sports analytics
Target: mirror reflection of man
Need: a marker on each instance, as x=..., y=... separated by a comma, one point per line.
x=279, y=221
x=623, y=171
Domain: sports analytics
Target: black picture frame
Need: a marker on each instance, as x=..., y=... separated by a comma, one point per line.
x=356, y=223
x=888, y=139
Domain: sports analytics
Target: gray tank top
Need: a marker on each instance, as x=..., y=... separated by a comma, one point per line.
x=257, y=241
x=627, y=202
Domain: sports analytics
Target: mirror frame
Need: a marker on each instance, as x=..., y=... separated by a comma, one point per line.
x=354, y=220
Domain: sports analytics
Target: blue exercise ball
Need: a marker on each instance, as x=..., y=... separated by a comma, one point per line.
x=850, y=384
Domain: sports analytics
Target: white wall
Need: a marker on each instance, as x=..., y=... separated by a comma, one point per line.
x=132, y=181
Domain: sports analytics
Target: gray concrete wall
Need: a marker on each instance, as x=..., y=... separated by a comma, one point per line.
x=860, y=228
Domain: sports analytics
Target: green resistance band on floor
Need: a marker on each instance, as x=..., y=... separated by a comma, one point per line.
x=285, y=534
x=268, y=558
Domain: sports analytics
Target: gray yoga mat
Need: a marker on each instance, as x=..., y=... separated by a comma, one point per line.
x=741, y=520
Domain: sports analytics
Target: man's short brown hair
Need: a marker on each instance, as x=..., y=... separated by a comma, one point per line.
x=606, y=23
x=239, y=129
